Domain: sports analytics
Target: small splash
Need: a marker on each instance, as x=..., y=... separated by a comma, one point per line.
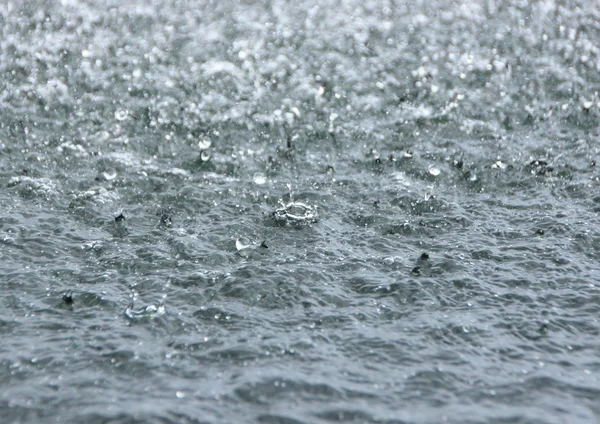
x=204, y=144
x=242, y=243
x=295, y=213
x=121, y=115
x=499, y=165
x=259, y=179
x=98, y=195
x=204, y=156
x=107, y=175
x=250, y=250
x=148, y=312
x=33, y=187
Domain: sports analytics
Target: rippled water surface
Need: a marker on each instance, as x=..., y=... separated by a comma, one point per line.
x=299, y=212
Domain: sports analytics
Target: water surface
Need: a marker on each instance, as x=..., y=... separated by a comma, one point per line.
x=299, y=212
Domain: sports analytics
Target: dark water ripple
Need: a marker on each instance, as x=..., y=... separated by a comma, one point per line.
x=446, y=154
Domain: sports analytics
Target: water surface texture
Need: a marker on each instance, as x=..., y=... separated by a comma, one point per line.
x=299, y=211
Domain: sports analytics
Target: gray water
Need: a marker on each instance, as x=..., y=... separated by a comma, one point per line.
x=299, y=212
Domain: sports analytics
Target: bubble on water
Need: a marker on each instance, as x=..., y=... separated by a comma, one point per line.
x=259, y=179
x=204, y=155
x=121, y=114
x=432, y=170
x=102, y=136
x=499, y=165
x=33, y=186
x=110, y=174
x=242, y=243
x=587, y=104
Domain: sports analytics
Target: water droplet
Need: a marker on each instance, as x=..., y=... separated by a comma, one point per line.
x=204, y=155
x=180, y=394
